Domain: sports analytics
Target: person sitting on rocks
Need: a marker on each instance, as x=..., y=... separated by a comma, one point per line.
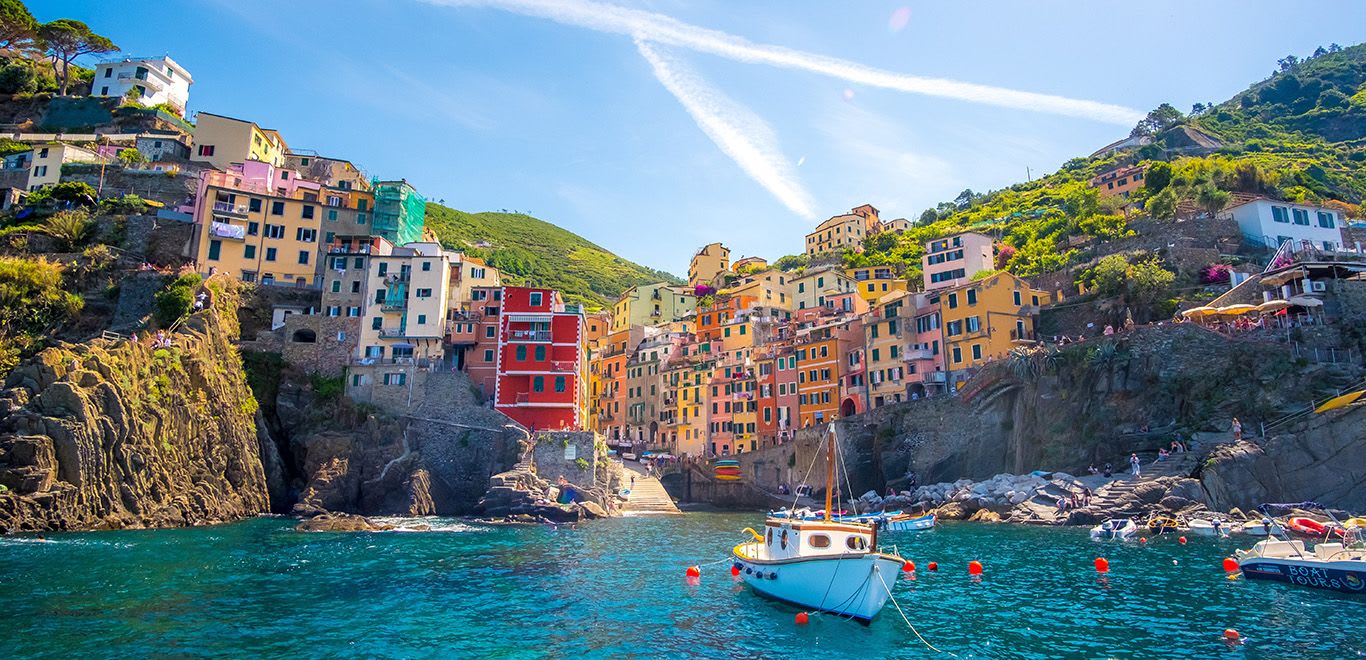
x=1093, y=470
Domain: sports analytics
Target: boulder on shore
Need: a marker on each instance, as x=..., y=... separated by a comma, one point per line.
x=340, y=522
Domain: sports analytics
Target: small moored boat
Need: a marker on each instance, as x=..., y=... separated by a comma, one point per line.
x=828, y=565
x=1115, y=529
x=1327, y=566
x=1264, y=527
x=1212, y=527
x=910, y=524
x=1307, y=527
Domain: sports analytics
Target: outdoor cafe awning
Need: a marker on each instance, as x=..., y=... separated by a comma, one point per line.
x=1235, y=310
x=1199, y=311
x=1281, y=278
x=1273, y=306
x=1306, y=301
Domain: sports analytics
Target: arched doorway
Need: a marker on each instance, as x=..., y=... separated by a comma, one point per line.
x=654, y=433
x=304, y=336
x=849, y=407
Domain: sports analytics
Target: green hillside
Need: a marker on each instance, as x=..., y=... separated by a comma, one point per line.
x=1298, y=135
x=532, y=251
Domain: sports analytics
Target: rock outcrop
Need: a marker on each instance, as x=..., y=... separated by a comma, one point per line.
x=518, y=495
x=116, y=434
x=1325, y=462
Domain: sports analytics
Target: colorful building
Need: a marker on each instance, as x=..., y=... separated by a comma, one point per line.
x=222, y=141
x=405, y=317
x=815, y=286
x=46, y=160
x=1121, y=181
x=875, y=282
x=951, y=261
x=150, y=81
x=652, y=304
x=542, y=361
x=769, y=287
x=843, y=232
x=708, y=265
x=984, y=320
x=259, y=222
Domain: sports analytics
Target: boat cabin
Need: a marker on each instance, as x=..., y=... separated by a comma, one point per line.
x=790, y=539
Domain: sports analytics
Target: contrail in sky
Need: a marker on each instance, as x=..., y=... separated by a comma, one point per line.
x=665, y=30
x=737, y=131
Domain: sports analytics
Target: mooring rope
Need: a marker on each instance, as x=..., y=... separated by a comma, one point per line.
x=908, y=621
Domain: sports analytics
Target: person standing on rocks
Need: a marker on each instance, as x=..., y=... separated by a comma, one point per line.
x=1134, y=464
x=1237, y=429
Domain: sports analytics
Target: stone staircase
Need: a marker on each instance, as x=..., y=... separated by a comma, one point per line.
x=648, y=496
x=1111, y=496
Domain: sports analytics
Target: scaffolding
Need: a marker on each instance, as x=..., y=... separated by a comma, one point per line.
x=399, y=211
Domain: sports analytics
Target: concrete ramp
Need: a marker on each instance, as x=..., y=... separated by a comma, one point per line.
x=648, y=496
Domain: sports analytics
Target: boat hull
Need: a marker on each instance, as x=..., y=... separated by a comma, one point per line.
x=846, y=585
x=913, y=525
x=1344, y=576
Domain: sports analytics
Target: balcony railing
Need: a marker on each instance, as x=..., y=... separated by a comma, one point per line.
x=1026, y=336
x=396, y=278
x=394, y=304
x=917, y=354
x=934, y=377
x=393, y=333
x=561, y=365
x=348, y=248
x=224, y=230
x=530, y=335
x=230, y=208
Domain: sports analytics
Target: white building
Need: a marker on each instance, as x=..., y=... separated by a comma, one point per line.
x=1272, y=223
x=157, y=80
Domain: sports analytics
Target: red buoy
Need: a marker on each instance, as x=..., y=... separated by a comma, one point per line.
x=1181, y=540
x=1230, y=564
x=734, y=570
x=934, y=566
x=1102, y=565
x=694, y=571
x=1143, y=540
x=908, y=567
x=974, y=567
x=802, y=618
x=1231, y=635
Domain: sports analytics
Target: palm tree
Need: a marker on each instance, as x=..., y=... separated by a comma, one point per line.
x=69, y=228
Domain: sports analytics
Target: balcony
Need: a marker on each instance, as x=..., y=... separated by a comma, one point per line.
x=224, y=230
x=393, y=333
x=1025, y=337
x=535, y=336
x=348, y=248
x=562, y=365
x=394, y=304
x=912, y=354
x=229, y=208
x=934, y=377
x=398, y=278
x=145, y=80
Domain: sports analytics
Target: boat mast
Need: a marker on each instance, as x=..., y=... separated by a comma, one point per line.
x=829, y=471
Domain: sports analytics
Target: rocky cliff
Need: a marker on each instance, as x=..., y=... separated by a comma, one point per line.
x=346, y=457
x=1323, y=461
x=116, y=434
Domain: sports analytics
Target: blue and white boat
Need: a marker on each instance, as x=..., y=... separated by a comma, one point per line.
x=909, y=524
x=1327, y=566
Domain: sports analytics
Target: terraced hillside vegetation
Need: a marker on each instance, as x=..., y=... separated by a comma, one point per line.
x=532, y=251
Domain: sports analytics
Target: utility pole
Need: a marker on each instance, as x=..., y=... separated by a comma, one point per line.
x=1029, y=176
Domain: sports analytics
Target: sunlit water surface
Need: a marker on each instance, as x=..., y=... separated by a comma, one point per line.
x=617, y=589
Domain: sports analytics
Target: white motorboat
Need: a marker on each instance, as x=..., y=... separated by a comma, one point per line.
x=1212, y=527
x=826, y=565
x=1327, y=566
x=1115, y=529
x=1264, y=527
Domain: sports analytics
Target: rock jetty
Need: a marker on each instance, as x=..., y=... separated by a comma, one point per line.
x=518, y=495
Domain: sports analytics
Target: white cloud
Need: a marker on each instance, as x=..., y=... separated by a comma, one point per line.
x=737, y=131
x=661, y=29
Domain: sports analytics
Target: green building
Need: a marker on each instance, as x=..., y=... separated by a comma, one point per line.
x=399, y=211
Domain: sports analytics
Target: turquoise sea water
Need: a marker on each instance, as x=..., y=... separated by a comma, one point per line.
x=617, y=589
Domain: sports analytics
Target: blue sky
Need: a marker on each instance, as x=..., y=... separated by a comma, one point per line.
x=656, y=131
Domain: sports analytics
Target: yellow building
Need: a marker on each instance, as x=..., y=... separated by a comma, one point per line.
x=769, y=287
x=221, y=141
x=687, y=396
x=652, y=304
x=249, y=228
x=753, y=264
x=983, y=320
x=843, y=232
x=709, y=264
x=406, y=317
x=875, y=282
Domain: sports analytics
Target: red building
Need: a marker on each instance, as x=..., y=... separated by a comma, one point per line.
x=542, y=360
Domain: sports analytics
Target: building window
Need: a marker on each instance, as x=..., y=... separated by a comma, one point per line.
x=253, y=228
x=488, y=355
x=206, y=150
x=972, y=296
x=1326, y=220
x=538, y=384
x=308, y=211
x=957, y=354
x=423, y=293
x=376, y=323
x=275, y=231
x=277, y=208
x=422, y=319
x=521, y=352
x=1017, y=298
x=953, y=301
x=488, y=332
x=540, y=353
x=215, y=248
x=249, y=252
x=976, y=351
x=305, y=235
x=303, y=257
x=559, y=383
x=426, y=266
x=270, y=254
x=1301, y=217
x=332, y=215
x=536, y=299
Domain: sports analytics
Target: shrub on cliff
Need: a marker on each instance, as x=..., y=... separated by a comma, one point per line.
x=176, y=299
x=71, y=229
x=33, y=302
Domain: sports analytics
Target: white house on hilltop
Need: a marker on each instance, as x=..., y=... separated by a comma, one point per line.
x=156, y=80
x=1270, y=223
